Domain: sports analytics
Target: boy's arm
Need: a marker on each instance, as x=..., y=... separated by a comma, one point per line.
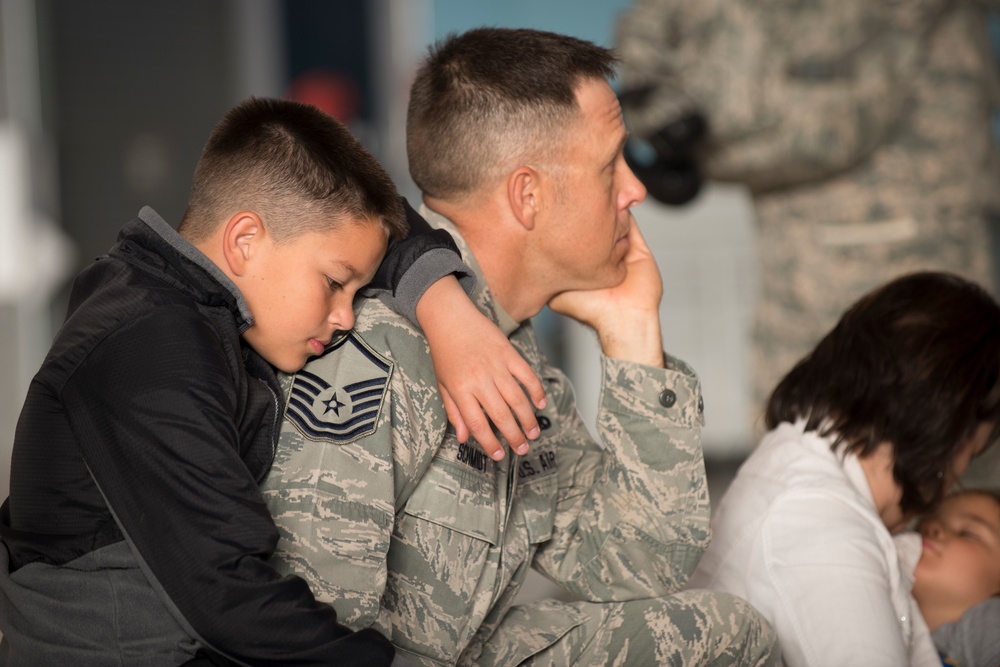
x=479, y=373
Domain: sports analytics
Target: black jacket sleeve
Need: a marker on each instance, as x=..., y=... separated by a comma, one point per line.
x=415, y=263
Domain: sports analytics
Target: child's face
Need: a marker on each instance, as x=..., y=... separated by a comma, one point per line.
x=301, y=291
x=960, y=564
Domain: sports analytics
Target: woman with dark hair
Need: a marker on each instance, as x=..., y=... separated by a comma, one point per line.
x=867, y=431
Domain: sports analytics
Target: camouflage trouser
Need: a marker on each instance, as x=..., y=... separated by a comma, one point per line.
x=687, y=629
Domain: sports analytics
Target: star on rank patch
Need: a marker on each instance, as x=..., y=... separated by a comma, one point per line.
x=344, y=404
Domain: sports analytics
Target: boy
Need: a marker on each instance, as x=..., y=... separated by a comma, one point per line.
x=957, y=579
x=135, y=532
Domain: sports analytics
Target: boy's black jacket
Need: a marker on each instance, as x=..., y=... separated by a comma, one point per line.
x=149, y=421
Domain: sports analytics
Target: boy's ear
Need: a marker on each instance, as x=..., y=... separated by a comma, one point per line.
x=524, y=193
x=241, y=239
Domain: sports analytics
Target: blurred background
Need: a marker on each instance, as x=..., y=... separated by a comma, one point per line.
x=105, y=105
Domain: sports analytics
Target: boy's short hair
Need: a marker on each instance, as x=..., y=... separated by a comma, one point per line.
x=915, y=363
x=491, y=96
x=295, y=166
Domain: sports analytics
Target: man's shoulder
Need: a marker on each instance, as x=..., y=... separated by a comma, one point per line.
x=392, y=334
x=339, y=396
x=371, y=313
x=380, y=339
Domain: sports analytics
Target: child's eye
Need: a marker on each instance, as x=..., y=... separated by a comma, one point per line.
x=333, y=284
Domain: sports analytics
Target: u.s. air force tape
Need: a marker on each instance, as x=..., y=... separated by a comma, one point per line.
x=338, y=396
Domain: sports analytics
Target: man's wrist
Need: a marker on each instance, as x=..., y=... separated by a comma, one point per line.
x=637, y=339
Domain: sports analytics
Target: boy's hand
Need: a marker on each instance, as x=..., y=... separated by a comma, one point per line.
x=478, y=371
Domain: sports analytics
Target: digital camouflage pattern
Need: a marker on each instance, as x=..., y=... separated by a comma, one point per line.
x=861, y=128
x=687, y=628
x=404, y=529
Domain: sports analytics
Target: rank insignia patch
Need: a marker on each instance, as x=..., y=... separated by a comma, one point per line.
x=345, y=406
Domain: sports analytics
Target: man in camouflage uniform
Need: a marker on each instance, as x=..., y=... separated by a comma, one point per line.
x=861, y=128
x=515, y=138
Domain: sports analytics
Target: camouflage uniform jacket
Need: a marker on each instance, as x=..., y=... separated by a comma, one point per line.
x=404, y=529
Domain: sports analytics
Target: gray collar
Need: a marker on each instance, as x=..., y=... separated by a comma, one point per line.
x=153, y=220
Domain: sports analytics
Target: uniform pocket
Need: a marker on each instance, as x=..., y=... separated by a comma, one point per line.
x=456, y=499
x=538, y=504
x=442, y=564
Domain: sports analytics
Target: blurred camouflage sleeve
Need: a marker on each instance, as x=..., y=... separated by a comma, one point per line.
x=632, y=515
x=792, y=91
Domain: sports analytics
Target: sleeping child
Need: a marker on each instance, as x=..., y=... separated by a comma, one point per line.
x=957, y=577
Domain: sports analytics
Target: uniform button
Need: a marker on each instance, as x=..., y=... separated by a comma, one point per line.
x=668, y=398
x=701, y=404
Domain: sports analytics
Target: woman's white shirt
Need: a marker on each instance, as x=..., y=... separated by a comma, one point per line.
x=798, y=536
x=923, y=652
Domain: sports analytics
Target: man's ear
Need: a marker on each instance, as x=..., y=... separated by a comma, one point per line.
x=524, y=193
x=241, y=240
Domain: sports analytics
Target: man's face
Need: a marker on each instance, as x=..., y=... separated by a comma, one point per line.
x=587, y=234
x=301, y=292
x=960, y=563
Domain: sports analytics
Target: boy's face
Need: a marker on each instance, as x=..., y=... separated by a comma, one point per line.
x=960, y=564
x=300, y=292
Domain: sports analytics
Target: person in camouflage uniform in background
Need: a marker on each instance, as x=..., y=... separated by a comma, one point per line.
x=515, y=138
x=861, y=129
